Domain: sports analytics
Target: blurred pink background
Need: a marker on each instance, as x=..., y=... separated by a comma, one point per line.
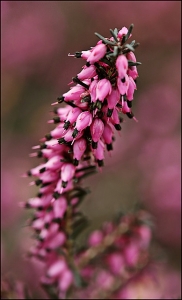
x=144, y=168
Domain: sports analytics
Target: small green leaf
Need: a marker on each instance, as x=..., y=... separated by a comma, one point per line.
x=132, y=63
x=113, y=35
x=104, y=40
x=129, y=32
x=116, y=31
x=130, y=47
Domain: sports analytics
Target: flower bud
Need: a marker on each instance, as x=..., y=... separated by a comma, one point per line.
x=123, y=84
x=103, y=89
x=96, y=130
x=67, y=172
x=131, y=88
x=122, y=66
x=92, y=90
x=74, y=93
x=79, y=148
x=122, y=32
x=97, y=53
x=83, y=120
x=87, y=72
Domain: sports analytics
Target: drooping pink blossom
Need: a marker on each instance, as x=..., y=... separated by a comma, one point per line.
x=97, y=53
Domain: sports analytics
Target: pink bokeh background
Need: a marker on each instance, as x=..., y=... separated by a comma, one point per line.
x=144, y=167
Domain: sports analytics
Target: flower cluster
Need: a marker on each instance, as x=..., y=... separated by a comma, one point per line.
x=103, y=91
x=13, y=289
x=115, y=256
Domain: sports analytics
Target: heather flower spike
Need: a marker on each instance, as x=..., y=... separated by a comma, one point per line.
x=102, y=92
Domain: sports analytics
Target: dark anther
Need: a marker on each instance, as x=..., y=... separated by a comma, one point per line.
x=55, y=110
x=39, y=208
x=117, y=127
x=43, y=146
x=86, y=99
x=88, y=64
x=100, y=163
x=39, y=154
x=27, y=205
x=47, y=225
x=99, y=104
x=64, y=184
x=119, y=105
x=94, y=145
x=39, y=195
x=75, y=162
x=121, y=119
x=123, y=80
x=60, y=99
x=56, y=120
x=48, y=136
x=129, y=103
x=38, y=182
x=66, y=125
x=42, y=170
x=57, y=220
x=100, y=114
x=130, y=115
x=124, y=97
x=56, y=195
x=109, y=112
x=61, y=141
x=29, y=173
x=75, y=133
x=109, y=147
x=78, y=54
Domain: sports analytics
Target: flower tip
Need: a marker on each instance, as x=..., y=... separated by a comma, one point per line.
x=135, y=119
x=50, y=121
x=72, y=142
x=54, y=103
x=33, y=154
x=24, y=175
x=43, y=139
x=32, y=183
x=36, y=147
x=110, y=154
x=100, y=169
x=52, y=200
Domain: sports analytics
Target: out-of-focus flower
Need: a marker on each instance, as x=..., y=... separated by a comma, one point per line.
x=11, y=289
x=29, y=35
